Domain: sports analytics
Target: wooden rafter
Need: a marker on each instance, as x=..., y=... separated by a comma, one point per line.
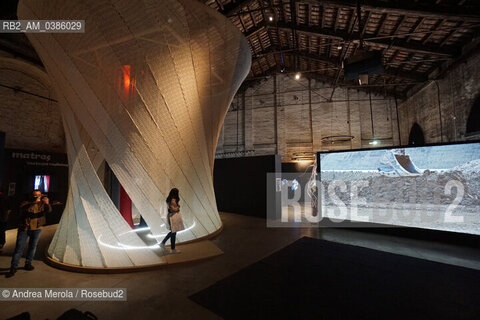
x=438, y=33
x=397, y=72
x=399, y=44
x=450, y=34
x=365, y=22
x=381, y=24
x=337, y=17
x=409, y=7
x=399, y=25
x=428, y=36
x=416, y=27
x=325, y=78
x=403, y=7
x=323, y=17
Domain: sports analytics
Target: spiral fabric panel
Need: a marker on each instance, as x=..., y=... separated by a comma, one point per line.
x=146, y=88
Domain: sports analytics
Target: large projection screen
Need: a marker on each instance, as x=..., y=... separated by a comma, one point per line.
x=434, y=187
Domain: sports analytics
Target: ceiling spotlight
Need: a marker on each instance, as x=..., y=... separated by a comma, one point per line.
x=297, y=76
x=270, y=18
x=340, y=47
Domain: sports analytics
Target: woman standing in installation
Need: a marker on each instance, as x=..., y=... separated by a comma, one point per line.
x=174, y=219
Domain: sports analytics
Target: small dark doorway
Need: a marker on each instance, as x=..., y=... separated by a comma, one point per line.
x=473, y=121
x=416, y=137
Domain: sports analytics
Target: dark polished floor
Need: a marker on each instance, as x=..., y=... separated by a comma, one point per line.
x=164, y=293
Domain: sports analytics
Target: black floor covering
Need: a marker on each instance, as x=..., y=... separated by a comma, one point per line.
x=317, y=279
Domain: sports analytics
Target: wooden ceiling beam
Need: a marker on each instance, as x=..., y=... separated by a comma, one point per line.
x=409, y=7
x=251, y=16
x=381, y=24
x=405, y=7
x=398, y=44
x=399, y=25
x=233, y=8
x=323, y=17
x=450, y=34
x=337, y=17
x=428, y=36
x=219, y=5
x=396, y=72
x=323, y=78
x=416, y=27
x=365, y=22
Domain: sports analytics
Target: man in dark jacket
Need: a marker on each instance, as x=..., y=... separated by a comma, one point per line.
x=32, y=218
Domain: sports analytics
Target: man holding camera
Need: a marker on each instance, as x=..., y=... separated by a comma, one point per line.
x=32, y=218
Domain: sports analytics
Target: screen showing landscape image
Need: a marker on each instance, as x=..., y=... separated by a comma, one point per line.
x=434, y=187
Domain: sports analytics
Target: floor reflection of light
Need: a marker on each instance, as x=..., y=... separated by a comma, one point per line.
x=121, y=246
x=164, y=234
x=137, y=230
x=140, y=229
x=128, y=247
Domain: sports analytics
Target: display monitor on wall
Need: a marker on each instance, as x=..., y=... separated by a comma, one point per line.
x=434, y=187
x=42, y=183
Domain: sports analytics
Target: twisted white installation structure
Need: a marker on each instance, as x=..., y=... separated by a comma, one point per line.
x=145, y=88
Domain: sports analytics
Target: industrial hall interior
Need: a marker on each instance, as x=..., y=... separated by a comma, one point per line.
x=239, y=159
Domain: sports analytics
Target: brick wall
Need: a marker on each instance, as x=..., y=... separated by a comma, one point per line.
x=29, y=121
x=289, y=117
x=442, y=107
